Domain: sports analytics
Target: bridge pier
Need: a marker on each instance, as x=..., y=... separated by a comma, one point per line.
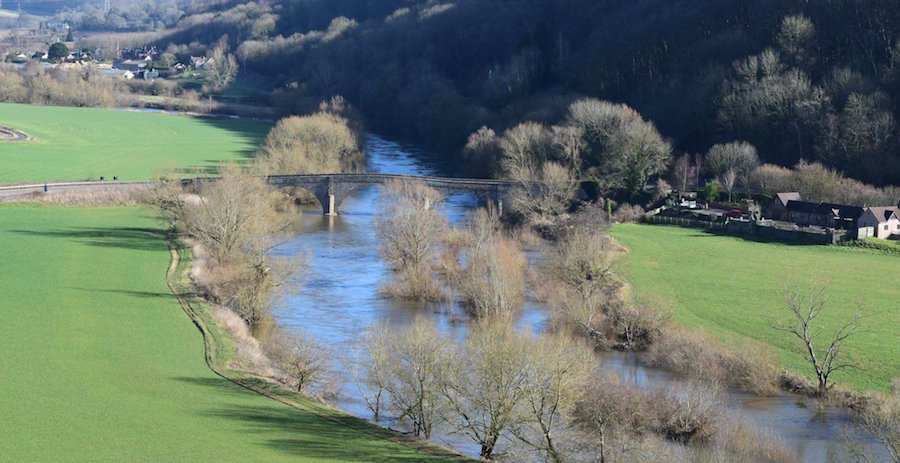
x=331, y=189
x=329, y=208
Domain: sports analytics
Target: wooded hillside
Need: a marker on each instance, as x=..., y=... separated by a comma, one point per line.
x=798, y=80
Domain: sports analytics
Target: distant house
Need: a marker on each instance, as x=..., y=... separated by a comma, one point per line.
x=147, y=74
x=130, y=65
x=198, y=62
x=879, y=222
x=826, y=215
x=777, y=209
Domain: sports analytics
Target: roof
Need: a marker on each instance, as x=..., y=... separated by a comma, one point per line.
x=785, y=197
x=884, y=213
x=842, y=211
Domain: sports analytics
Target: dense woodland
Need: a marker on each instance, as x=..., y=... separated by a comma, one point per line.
x=799, y=81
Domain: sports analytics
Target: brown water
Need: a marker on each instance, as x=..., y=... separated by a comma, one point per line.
x=339, y=299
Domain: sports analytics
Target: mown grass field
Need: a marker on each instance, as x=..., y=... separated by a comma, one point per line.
x=82, y=143
x=100, y=363
x=727, y=285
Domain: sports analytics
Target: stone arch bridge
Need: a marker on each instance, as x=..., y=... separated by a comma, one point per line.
x=332, y=189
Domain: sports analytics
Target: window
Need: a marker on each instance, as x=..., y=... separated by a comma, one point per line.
x=885, y=227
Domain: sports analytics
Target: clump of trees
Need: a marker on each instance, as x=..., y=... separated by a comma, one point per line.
x=539, y=397
x=816, y=182
x=237, y=222
x=497, y=384
x=35, y=84
x=585, y=294
x=732, y=163
x=220, y=69
x=491, y=282
x=323, y=142
x=410, y=231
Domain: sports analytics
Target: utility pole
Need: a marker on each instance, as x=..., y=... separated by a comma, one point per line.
x=106, y=6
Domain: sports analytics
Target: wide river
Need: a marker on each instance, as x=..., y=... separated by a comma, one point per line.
x=339, y=299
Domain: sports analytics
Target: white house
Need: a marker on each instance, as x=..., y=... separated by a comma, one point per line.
x=879, y=222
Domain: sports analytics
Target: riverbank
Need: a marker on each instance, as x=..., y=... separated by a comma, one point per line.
x=107, y=368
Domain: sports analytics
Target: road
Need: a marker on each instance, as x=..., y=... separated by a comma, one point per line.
x=53, y=187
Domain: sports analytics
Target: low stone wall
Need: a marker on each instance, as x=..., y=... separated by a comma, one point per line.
x=767, y=230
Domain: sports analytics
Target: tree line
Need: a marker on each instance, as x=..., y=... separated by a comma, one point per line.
x=797, y=82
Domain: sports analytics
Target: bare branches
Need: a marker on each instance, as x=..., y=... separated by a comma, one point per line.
x=410, y=231
x=583, y=266
x=805, y=305
x=300, y=356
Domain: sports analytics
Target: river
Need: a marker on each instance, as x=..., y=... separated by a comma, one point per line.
x=339, y=299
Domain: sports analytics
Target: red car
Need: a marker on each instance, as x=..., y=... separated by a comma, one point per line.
x=734, y=213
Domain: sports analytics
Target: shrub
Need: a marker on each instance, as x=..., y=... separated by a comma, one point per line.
x=697, y=355
x=691, y=415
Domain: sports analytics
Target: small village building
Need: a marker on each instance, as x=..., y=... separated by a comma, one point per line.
x=777, y=209
x=827, y=215
x=879, y=222
x=130, y=65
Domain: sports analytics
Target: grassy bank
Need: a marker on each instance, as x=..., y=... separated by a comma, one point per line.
x=81, y=143
x=727, y=285
x=101, y=364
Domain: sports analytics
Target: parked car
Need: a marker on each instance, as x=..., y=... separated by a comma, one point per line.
x=734, y=214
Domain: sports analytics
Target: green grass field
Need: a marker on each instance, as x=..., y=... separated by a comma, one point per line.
x=81, y=143
x=726, y=285
x=100, y=363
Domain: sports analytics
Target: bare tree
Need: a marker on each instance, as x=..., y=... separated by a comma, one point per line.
x=805, y=305
x=303, y=358
x=569, y=145
x=557, y=367
x=486, y=390
x=682, y=173
x=637, y=324
x=729, y=178
x=369, y=364
x=421, y=359
x=482, y=150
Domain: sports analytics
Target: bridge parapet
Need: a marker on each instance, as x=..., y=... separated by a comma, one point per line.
x=332, y=189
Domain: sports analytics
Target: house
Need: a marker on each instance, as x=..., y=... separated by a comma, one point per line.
x=826, y=215
x=130, y=65
x=777, y=209
x=879, y=222
x=198, y=62
x=147, y=74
